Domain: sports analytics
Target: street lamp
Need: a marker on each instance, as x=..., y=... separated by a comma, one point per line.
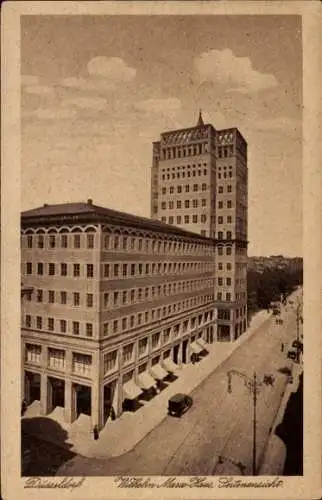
x=253, y=385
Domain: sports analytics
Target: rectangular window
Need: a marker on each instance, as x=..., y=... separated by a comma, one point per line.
x=110, y=361
x=195, y=203
x=106, y=299
x=51, y=270
x=220, y=281
x=219, y=296
x=116, y=270
x=106, y=270
x=63, y=326
x=116, y=242
x=178, y=219
x=186, y=204
x=40, y=241
x=195, y=187
x=89, y=300
x=195, y=219
x=229, y=204
x=132, y=269
x=76, y=240
x=220, y=219
x=228, y=281
x=115, y=326
x=75, y=327
x=39, y=322
x=228, y=296
x=76, y=270
x=203, y=202
x=52, y=241
x=124, y=269
x=229, y=219
x=203, y=218
x=28, y=321
x=115, y=298
x=171, y=220
x=220, y=204
x=51, y=297
x=228, y=251
x=51, y=324
x=29, y=241
x=186, y=219
x=124, y=296
x=90, y=240
x=229, y=188
x=64, y=240
x=124, y=323
x=89, y=330
x=39, y=296
x=29, y=268
x=89, y=270
x=76, y=299
x=220, y=251
x=143, y=345
x=63, y=269
x=40, y=268
x=82, y=364
x=155, y=340
x=63, y=297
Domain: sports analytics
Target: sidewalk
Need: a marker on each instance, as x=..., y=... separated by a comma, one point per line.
x=122, y=434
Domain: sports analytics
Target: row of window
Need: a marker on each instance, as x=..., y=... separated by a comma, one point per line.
x=188, y=167
x=113, y=242
x=50, y=324
x=183, y=151
x=117, y=270
x=81, y=363
x=185, y=219
x=62, y=297
x=186, y=204
x=118, y=325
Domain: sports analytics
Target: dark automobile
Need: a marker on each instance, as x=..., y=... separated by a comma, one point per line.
x=179, y=404
x=292, y=354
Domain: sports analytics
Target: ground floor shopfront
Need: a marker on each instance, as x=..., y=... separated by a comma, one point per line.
x=124, y=390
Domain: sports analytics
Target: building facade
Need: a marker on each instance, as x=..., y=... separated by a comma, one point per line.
x=199, y=182
x=115, y=304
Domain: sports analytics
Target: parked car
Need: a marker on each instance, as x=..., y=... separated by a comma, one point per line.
x=179, y=404
x=292, y=354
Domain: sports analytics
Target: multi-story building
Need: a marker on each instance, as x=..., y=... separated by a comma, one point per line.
x=199, y=182
x=115, y=303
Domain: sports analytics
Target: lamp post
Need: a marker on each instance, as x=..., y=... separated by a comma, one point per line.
x=253, y=385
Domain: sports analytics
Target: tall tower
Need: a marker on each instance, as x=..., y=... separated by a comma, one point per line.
x=199, y=183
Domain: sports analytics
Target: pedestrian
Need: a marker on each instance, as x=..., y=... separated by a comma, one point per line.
x=95, y=432
x=282, y=347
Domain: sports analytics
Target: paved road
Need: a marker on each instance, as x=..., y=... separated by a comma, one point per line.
x=218, y=423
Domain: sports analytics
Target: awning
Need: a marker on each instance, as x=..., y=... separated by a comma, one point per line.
x=169, y=365
x=196, y=348
x=130, y=390
x=202, y=343
x=158, y=372
x=145, y=381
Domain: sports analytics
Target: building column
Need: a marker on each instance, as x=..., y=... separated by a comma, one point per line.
x=96, y=393
x=118, y=396
x=23, y=393
x=231, y=332
x=69, y=401
x=25, y=383
x=180, y=354
x=43, y=394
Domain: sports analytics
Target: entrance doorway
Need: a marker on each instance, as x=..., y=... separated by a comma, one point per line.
x=83, y=400
x=32, y=387
x=223, y=333
x=185, y=351
x=176, y=354
x=109, y=394
x=57, y=392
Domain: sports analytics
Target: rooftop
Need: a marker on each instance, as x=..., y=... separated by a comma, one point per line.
x=89, y=212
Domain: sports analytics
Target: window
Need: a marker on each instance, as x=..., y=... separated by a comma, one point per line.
x=124, y=296
x=220, y=266
x=143, y=345
x=128, y=353
x=228, y=236
x=170, y=205
x=203, y=218
x=220, y=189
x=107, y=241
x=106, y=270
x=203, y=187
x=115, y=298
x=219, y=296
x=220, y=251
x=171, y=220
x=229, y=188
x=76, y=298
x=220, y=281
x=179, y=204
x=64, y=241
x=187, y=188
x=132, y=269
x=82, y=364
x=106, y=299
x=76, y=270
x=195, y=187
x=76, y=240
x=228, y=281
x=90, y=241
x=220, y=235
x=124, y=243
x=28, y=321
x=195, y=203
x=63, y=297
x=164, y=190
x=203, y=202
x=228, y=296
x=52, y=241
x=40, y=268
x=32, y=353
x=116, y=242
x=51, y=269
x=178, y=219
x=39, y=322
x=89, y=300
x=229, y=204
x=124, y=323
x=75, y=327
x=171, y=189
x=51, y=324
x=186, y=204
x=63, y=326
x=51, y=296
x=228, y=251
x=110, y=361
x=155, y=340
x=29, y=241
x=105, y=329
x=89, y=330
x=179, y=189
x=163, y=205
x=89, y=270
x=63, y=269
x=220, y=204
x=29, y=268
x=220, y=219
x=229, y=219
x=163, y=219
x=39, y=296
x=40, y=241
x=116, y=270
x=195, y=219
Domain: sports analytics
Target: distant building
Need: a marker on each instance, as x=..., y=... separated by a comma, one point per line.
x=115, y=304
x=199, y=182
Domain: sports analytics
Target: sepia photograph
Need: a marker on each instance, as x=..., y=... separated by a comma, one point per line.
x=161, y=249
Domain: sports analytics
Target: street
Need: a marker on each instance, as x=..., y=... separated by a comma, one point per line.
x=215, y=436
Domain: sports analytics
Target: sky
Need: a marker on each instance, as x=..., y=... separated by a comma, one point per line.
x=97, y=90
